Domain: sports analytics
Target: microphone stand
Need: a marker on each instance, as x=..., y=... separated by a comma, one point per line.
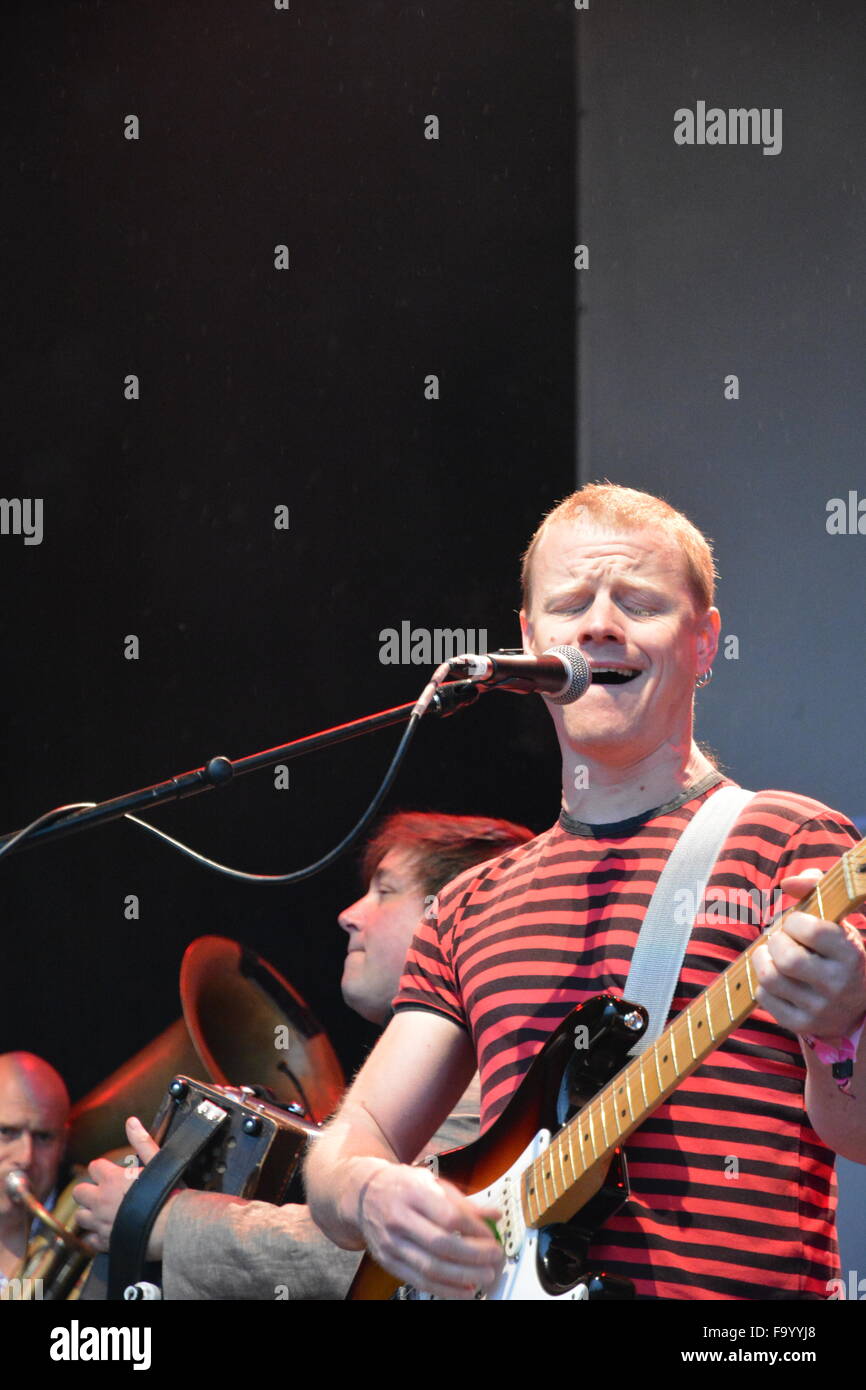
x=220, y=770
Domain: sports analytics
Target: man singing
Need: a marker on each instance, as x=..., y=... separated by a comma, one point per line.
x=518, y=943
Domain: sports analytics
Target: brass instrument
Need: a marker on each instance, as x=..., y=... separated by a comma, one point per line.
x=243, y=1025
x=56, y=1260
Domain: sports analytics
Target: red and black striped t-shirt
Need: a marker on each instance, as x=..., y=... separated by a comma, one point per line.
x=733, y=1195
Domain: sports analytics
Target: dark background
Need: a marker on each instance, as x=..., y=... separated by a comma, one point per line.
x=259, y=387
x=305, y=387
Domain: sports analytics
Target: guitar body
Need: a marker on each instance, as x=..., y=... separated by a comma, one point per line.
x=553, y=1202
x=587, y=1048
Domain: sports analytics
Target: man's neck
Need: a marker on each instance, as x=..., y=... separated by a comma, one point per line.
x=600, y=794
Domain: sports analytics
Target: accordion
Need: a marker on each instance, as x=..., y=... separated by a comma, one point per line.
x=215, y=1139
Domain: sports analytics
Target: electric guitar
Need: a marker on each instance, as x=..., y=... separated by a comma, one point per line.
x=553, y=1162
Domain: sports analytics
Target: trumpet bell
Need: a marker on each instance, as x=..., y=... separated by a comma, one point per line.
x=243, y=1025
x=250, y=1027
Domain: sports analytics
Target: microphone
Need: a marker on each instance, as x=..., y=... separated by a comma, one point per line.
x=561, y=675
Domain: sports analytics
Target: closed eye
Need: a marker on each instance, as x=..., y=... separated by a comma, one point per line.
x=575, y=604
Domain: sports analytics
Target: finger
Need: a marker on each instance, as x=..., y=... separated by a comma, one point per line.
x=87, y=1219
x=429, y=1232
x=787, y=995
x=468, y=1252
x=144, y=1146
x=420, y=1267
x=800, y=885
x=97, y=1242
x=783, y=984
x=780, y=995
x=467, y=1217
x=827, y=939
x=84, y=1193
x=459, y=1270
x=100, y=1168
x=794, y=1019
x=449, y=1244
x=441, y=1207
x=461, y=1200
x=796, y=961
x=803, y=881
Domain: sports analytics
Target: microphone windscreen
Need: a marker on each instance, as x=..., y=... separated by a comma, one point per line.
x=581, y=675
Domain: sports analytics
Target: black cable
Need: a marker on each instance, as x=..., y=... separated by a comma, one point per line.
x=294, y=877
x=320, y=864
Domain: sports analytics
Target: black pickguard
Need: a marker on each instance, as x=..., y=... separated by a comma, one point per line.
x=585, y=1069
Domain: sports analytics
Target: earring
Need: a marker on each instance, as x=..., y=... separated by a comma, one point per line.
x=701, y=681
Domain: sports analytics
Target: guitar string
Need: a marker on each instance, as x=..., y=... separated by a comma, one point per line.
x=838, y=877
x=829, y=884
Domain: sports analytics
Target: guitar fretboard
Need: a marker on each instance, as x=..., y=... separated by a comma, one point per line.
x=587, y=1142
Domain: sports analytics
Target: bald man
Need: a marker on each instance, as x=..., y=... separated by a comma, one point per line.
x=34, y=1113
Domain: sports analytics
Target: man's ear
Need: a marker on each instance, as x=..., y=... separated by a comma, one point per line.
x=708, y=638
x=527, y=631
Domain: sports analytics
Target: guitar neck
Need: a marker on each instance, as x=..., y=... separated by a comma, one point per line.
x=555, y=1184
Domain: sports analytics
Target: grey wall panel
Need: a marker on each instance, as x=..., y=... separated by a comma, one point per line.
x=710, y=260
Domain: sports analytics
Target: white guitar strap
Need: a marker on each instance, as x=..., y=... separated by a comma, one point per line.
x=661, y=944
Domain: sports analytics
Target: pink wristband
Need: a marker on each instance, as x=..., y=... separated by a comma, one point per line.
x=838, y=1054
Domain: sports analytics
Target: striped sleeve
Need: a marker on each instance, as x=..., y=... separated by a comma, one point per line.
x=428, y=978
x=818, y=842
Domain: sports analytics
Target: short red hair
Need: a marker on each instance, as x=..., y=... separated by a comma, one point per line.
x=608, y=504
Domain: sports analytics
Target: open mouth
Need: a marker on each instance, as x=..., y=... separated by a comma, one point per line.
x=613, y=675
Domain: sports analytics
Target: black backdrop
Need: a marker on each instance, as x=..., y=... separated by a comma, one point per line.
x=258, y=388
